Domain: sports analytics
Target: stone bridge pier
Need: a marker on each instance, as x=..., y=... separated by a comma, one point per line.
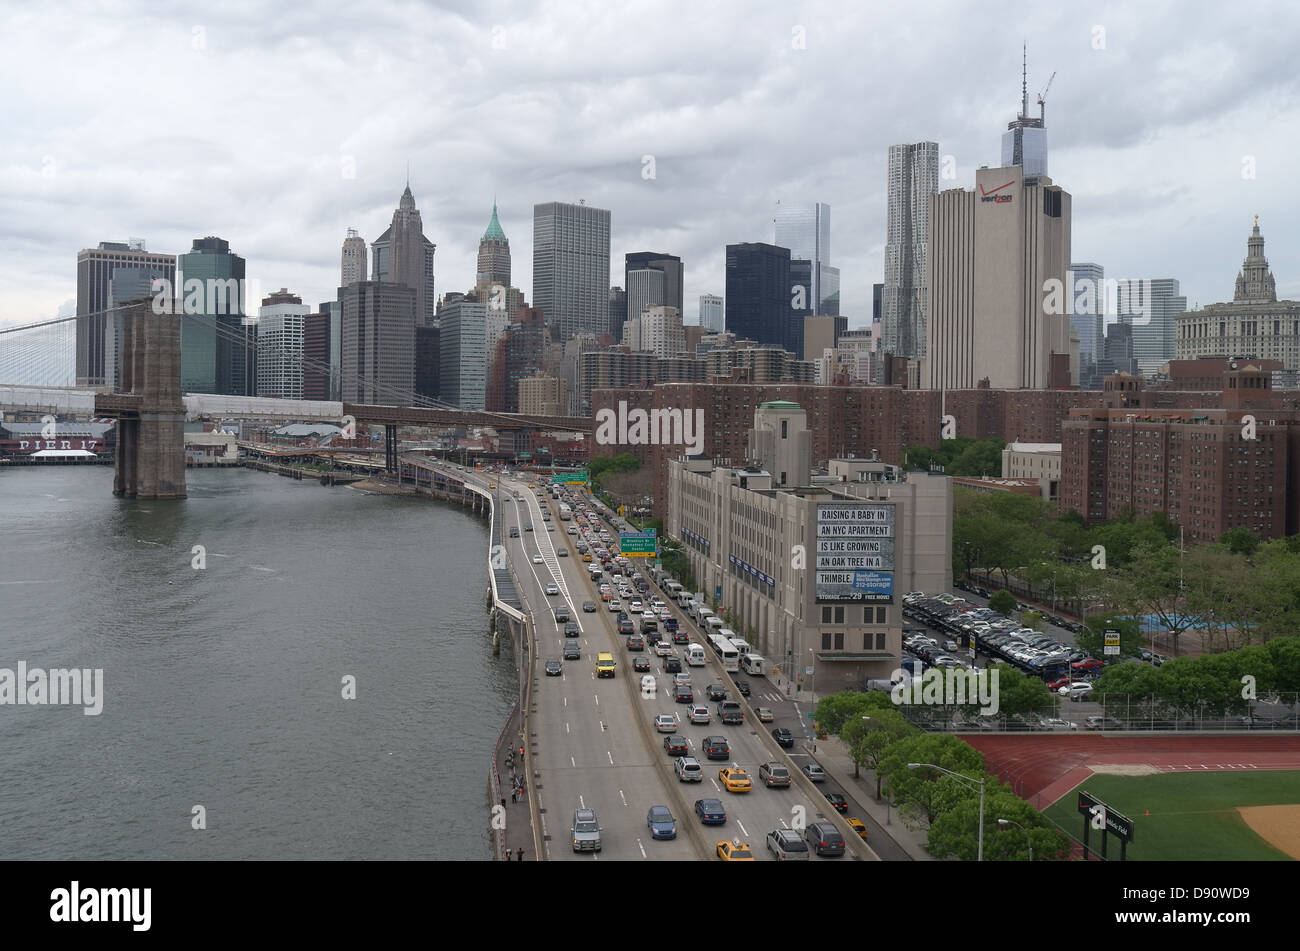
x=150, y=459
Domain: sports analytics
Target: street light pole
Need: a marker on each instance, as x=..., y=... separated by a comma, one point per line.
x=965, y=779
x=1011, y=822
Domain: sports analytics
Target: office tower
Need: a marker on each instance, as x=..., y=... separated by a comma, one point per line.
x=403, y=255
x=758, y=296
x=712, y=315
x=877, y=293
x=378, y=354
x=354, y=259
x=1151, y=307
x=97, y=336
x=462, y=351
x=1253, y=324
x=571, y=267
x=652, y=280
x=806, y=230
x=993, y=251
x=428, y=362
x=1117, y=351
x=281, y=345
x=1087, y=290
x=493, y=254
x=218, y=348
x=617, y=311
x=645, y=289
x=1024, y=144
x=913, y=181
x=316, y=358
x=334, y=310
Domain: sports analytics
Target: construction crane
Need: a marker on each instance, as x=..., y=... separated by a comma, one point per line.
x=1042, y=98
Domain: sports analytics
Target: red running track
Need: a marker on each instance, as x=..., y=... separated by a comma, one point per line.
x=1042, y=769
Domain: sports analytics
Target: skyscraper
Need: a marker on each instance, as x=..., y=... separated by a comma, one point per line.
x=617, y=311
x=669, y=285
x=97, y=338
x=571, y=267
x=378, y=359
x=758, y=296
x=218, y=347
x=712, y=314
x=1024, y=144
x=992, y=251
x=1151, y=307
x=493, y=254
x=1087, y=289
x=403, y=255
x=354, y=259
x=281, y=345
x=806, y=230
x=913, y=181
x=462, y=351
x=645, y=289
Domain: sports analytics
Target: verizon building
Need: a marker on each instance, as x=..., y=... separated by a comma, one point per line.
x=992, y=252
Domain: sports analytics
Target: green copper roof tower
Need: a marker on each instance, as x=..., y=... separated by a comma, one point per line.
x=494, y=254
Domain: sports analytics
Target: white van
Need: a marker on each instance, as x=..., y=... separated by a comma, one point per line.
x=702, y=615
x=684, y=600
x=753, y=664
x=695, y=656
x=713, y=622
x=740, y=644
x=729, y=634
x=673, y=588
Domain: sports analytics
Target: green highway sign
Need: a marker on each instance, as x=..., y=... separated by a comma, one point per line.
x=638, y=544
x=569, y=478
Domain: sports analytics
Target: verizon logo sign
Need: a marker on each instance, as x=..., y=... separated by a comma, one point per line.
x=993, y=195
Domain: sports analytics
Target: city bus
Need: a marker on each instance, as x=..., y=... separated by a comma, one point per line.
x=726, y=652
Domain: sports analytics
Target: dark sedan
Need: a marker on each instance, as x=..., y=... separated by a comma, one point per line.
x=588, y=607
x=554, y=668
x=711, y=812
x=838, y=801
x=572, y=652
x=784, y=738
x=676, y=746
x=743, y=687
x=716, y=692
x=641, y=664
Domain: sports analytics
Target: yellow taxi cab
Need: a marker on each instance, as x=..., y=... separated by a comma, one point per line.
x=605, y=666
x=735, y=851
x=735, y=779
x=492, y=485
x=857, y=826
x=586, y=556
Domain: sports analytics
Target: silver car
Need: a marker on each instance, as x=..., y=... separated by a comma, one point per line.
x=586, y=831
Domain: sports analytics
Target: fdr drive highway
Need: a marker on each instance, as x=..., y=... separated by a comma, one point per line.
x=595, y=744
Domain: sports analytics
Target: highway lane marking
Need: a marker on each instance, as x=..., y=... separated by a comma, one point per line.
x=602, y=726
x=597, y=696
x=581, y=803
x=743, y=830
x=782, y=823
x=572, y=763
x=642, y=848
x=621, y=796
x=566, y=727
x=611, y=757
x=566, y=701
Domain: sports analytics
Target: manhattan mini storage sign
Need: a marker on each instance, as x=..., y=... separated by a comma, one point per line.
x=855, y=552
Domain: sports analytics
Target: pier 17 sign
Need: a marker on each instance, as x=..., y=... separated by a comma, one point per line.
x=855, y=552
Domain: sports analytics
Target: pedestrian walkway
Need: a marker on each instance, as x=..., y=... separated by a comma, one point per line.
x=886, y=833
x=518, y=833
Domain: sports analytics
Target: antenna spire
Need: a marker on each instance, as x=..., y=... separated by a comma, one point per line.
x=1024, y=80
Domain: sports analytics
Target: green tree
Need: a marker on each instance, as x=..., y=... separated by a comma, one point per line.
x=1019, y=693
x=869, y=736
x=1003, y=601
x=1240, y=541
x=919, y=795
x=955, y=834
x=836, y=709
x=1092, y=639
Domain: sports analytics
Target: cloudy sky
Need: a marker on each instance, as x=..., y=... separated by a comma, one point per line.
x=279, y=126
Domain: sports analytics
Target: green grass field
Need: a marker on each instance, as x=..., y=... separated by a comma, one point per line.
x=1193, y=815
